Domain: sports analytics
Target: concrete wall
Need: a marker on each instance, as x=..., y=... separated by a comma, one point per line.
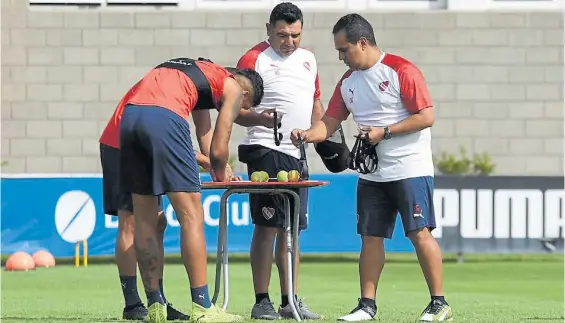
x=496, y=78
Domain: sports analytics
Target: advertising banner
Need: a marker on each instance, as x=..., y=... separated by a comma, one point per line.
x=490, y=214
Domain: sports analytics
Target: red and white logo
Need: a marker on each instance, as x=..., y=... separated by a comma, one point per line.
x=383, y=85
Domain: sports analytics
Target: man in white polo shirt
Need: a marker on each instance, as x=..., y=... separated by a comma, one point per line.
x=290, y=76
x=389, y=100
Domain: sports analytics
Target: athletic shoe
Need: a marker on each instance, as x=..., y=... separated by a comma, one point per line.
x=136, y=313
x=301, y=308
x=264, y=310
x=173, y=314
x=362, y=312
x=156, y=313
x=437, y=311
x=212, y=315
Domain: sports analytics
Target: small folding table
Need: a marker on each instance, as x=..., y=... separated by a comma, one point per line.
x=273, y=188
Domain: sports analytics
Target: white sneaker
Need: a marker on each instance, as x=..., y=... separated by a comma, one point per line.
x=362, y=312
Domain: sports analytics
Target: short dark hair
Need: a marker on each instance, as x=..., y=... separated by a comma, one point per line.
x=356, y=27
x=287, y=12
x=254, y=78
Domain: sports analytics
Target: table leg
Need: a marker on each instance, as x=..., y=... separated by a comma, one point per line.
x=291, y=247
x=222, y=253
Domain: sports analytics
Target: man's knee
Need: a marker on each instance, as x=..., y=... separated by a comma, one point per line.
x=126, y=223
x=372, y=241
x=420, y=236
x=265, y=233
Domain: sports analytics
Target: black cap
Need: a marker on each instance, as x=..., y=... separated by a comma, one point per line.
x=334, y=152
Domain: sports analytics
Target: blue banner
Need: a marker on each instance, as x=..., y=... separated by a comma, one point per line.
x=54, y=212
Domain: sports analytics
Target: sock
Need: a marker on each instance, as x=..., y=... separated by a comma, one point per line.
x=369, y=302
x=161, y=289
x=129, y=289
x=200, y=296
x=154, y=296
x=261, y=296
x=439, y=298
x=284, y=300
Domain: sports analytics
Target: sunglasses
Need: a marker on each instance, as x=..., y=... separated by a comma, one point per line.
x=276, y=126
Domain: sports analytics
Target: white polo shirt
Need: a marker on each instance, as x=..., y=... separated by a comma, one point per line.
x=384, y=94
x=291, y=86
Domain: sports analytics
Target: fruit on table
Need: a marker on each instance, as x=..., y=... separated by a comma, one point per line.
x=282, y=176
x=256, y=176
x=259, y=176
x=264, y=176
x=293, y=176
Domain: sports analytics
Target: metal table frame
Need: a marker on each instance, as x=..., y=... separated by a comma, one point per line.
x=291, y=241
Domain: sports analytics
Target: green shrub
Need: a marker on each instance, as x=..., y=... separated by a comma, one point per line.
x=449, y=164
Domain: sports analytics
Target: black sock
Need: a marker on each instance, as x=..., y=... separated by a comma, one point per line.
x=129, y=289
x=369, y=302
x=154, y=296
x=284, y=300
x=161, y=289
x=261, y=296
x=439, y=298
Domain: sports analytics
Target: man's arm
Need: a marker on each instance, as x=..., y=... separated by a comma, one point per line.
x=320, y=130
x=249, y=118
x=317, y=108
x=219, y=149
x=202, y=160
x=418, y=121
x=203, y=129
x=323, y=128
x=317, y=111
x=416, y=99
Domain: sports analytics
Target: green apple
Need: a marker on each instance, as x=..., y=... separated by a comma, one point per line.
x=256, y=177
x=264, y=176
x=282, y=176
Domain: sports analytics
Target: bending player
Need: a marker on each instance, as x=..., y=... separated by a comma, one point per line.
x=170, y=83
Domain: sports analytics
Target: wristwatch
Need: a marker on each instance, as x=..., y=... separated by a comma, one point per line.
x=387, y=135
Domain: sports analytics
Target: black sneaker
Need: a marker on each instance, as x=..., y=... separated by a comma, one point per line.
x=137, y=312
x=264, y=310
x=362, y=312
x=175, y=315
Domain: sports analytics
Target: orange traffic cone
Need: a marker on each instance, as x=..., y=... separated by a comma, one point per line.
x=43, y=258
x=20, y=261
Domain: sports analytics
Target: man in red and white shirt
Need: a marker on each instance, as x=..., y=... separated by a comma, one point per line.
x=290, y=78
x=388, y=98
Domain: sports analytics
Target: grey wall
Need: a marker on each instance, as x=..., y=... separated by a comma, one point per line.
x=496, y=78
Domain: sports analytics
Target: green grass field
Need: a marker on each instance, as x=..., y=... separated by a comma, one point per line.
x=526, y=290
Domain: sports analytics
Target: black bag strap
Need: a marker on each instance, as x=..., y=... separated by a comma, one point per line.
x=189, y=67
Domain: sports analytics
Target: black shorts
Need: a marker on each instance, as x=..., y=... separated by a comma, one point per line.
x=268, y=210
x=113, y=199
x=156, y=154
x=378, y=204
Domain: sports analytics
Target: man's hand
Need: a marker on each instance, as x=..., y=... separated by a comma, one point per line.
x=267, y=118
x=298, y=134
x=374, y=134
x=228, y=175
